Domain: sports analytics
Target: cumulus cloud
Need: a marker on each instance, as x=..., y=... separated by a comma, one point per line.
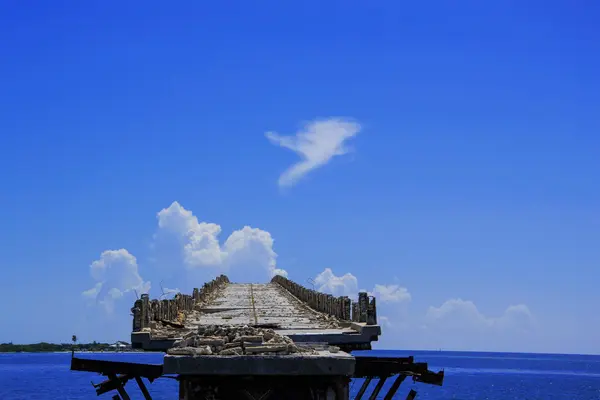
x=116, y=273
x=345, y=285
x=317, y=143
x=458, y=314
x=248, y=247
x=458, y=324
x=384, y=321
x=391, y=293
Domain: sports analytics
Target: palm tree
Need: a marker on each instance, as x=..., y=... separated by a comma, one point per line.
x=74, y=339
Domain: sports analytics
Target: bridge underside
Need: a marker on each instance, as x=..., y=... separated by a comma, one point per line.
x=305, y=384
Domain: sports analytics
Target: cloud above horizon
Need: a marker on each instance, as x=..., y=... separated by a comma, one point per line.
x=347, y=285
x=116, y=273
x=249, y=252
x=459, y=314
x=249, y=248
x=316, y=144
x=327, y=281
x=457, y=324
x=391, y=293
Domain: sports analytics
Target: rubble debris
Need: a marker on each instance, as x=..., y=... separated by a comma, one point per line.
x=236, y=340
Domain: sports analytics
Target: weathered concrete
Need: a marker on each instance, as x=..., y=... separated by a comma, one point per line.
x=340, y=308
x=275, y=305
x=289, y=387
x=146, y=312
x=277, y=340
x=260, y=304
x=322, y=363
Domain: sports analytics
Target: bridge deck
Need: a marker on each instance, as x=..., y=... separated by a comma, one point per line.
x=260, y=304
x=268, y=305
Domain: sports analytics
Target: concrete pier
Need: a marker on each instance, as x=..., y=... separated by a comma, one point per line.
x=276, y=340
x=219, y=331
x=322, y=375
x=302, y=314
x=284, y=387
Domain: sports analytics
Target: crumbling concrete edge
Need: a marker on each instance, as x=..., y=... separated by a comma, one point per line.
x=358, y=340
x=144, y=341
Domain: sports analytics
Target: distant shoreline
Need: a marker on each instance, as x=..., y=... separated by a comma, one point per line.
x=44, y=347
x=76, y=351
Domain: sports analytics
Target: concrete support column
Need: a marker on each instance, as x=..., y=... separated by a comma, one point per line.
x=372, y=313
x=347, y=309
x=154, y=307
x=336, y=307
x=137, y=315
x=363, y=304
x=145, y=310
x=276, y=387
x=164, y=310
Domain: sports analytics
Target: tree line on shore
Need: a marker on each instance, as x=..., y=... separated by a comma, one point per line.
x=44, y=347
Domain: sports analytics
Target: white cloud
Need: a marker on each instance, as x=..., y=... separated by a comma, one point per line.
x=458, y=314
x=316, y=144
x=384, y=321
x=346, y=285
x=116, y=273
x=517, y=317
x=458, y=324
x=391, y=293
x=279, y=271
x=93, y=292
x=248, y=248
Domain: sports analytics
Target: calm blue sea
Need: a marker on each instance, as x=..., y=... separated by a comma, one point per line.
x=469, y=376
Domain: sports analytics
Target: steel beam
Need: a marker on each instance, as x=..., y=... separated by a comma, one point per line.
x=105, y=367
x=377, y=388
x=145, y=392
x=120, y=388
x=363, y=388
x=397, y=382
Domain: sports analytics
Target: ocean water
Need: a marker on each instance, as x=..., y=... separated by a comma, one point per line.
x=469, y=376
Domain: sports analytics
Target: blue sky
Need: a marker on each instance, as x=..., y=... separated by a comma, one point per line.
x=452, y=167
